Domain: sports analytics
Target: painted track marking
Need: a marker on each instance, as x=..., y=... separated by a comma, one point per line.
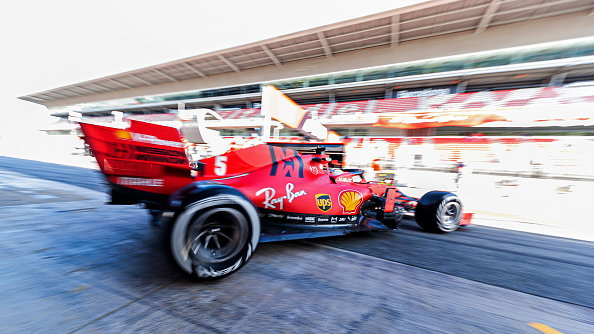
x=543, y=328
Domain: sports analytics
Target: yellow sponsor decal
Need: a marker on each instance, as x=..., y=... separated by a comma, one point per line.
x=350, y=200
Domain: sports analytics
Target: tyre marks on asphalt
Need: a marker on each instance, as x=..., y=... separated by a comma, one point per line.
x=416, y=297
x=549, y=267
x=485, y=308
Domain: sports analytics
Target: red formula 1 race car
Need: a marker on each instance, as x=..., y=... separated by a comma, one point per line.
x=218, y=209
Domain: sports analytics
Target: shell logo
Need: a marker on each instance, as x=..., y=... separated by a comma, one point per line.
x=123, y=134
x=350, y=200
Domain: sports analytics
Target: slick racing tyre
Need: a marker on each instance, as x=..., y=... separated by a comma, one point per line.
x=439, y=211
x=215, y=236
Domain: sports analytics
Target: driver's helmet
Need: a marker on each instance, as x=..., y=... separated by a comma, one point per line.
x=335, y=172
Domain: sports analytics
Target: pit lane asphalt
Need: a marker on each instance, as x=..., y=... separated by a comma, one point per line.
x=77, y=176
x=558, y=271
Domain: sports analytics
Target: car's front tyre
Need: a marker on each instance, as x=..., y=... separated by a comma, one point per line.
x=439, y=211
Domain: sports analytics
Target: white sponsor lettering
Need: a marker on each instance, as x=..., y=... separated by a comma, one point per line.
x=155, y=141
x=437, y=117
x=424, y=92
x=135, y=181
x=271, y=201
x=310, y=219
x=344, y=179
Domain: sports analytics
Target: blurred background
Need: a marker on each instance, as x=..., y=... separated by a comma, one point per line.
x=439, y=94
x=490, y=99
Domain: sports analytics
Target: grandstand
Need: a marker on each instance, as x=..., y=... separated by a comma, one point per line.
x=523, y=111
x=437, y=68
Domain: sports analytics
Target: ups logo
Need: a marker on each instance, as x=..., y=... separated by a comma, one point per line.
x=324, y=202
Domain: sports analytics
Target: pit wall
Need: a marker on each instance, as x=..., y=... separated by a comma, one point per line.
x=548, y=157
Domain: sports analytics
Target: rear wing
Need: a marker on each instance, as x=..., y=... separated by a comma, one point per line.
x=143, y=162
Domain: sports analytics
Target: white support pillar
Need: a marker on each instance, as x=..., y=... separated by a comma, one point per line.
x=271, y=55
x=277, y=130
x=389, y=92
x=487, y=16
x=266, y=128
x=194, y=69
x=557, y=79
x=118, y=116
x=325, y=44
x=395, y=31
x=229, y=63
x=332, y=97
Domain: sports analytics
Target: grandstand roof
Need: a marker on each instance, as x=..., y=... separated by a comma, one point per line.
x=427, y=19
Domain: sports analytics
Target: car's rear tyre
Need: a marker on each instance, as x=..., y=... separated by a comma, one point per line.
x=214, y=237
x=439, y=211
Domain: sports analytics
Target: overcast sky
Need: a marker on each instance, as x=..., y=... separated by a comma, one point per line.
x=47, y=44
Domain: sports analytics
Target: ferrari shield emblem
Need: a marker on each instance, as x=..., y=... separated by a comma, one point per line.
x=324, y=202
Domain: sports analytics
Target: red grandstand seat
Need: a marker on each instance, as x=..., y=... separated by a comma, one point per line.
x=459, y=98
x=396, y=105
x=548, y=92
x=343, y=108
x=475, y=105
x=517, y=103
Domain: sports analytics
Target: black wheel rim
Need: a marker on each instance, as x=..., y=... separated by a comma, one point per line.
x=217, y=235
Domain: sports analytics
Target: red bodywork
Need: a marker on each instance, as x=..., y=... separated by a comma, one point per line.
x=151, y=160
